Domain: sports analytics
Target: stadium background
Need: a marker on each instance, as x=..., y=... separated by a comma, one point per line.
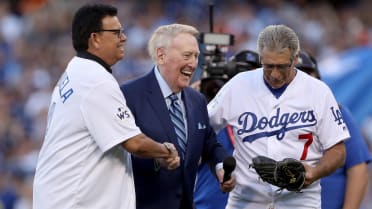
x=35, y=46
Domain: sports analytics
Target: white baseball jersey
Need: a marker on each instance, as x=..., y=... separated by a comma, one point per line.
x=303, y=122
x=81, y=163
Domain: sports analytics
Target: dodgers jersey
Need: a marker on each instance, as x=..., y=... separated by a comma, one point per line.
x=303, y=122
x=81, y=163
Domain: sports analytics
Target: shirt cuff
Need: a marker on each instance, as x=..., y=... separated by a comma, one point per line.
x=219, y=166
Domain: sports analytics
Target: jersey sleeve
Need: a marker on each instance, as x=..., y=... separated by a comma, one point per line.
x=218, y=109
x=332, y=128
x=107, y=116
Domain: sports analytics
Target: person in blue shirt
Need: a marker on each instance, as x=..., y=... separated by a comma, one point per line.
x=207, y=194
x=346, y=187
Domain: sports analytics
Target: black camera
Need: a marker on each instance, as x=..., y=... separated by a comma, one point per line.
x=217, y=70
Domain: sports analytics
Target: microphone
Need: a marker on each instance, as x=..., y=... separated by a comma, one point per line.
x=228, y=166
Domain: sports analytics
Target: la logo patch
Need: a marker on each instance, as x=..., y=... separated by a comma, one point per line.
x=337, y=115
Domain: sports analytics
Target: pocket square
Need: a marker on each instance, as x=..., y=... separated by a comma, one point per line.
x=201, y=126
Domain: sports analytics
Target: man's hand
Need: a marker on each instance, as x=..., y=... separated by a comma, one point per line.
x=228, y=185
x=173, y=161
x=169, y=163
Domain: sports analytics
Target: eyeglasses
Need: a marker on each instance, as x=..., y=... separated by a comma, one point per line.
x=118, y=32
x=282, y=67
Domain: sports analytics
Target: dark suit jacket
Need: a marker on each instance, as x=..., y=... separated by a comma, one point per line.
x=160, y=189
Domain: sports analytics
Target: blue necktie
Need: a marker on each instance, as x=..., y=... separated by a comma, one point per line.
x=176, y=115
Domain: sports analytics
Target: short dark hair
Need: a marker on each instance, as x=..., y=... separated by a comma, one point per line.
x=87, y=20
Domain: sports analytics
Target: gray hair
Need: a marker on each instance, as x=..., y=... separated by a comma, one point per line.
x=163, y=35
x=278, y=38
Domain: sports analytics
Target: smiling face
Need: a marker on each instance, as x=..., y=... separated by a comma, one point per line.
x=108, y=43
x=278, y=67
x=178, y=62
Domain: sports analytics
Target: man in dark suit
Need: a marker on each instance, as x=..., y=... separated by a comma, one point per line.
x=175, y=51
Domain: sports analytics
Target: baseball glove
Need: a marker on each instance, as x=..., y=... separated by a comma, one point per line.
x=287, y=174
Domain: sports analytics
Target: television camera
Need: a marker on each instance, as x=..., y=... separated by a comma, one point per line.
x=217, y=70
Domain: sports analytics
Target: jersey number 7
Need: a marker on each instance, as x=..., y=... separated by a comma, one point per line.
x=309, y=138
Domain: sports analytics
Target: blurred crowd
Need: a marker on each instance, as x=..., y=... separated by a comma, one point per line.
x=35, y=46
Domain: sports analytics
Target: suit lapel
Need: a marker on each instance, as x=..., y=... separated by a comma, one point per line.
x=156, y=100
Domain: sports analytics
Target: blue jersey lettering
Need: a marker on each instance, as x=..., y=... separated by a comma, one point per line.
x=282, y=123
x=64, y=91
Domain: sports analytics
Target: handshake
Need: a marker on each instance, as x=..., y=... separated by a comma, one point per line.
x=172, y=161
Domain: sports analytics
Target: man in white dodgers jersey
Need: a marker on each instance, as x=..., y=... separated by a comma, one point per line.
x=278, y=111
x=85, y=159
